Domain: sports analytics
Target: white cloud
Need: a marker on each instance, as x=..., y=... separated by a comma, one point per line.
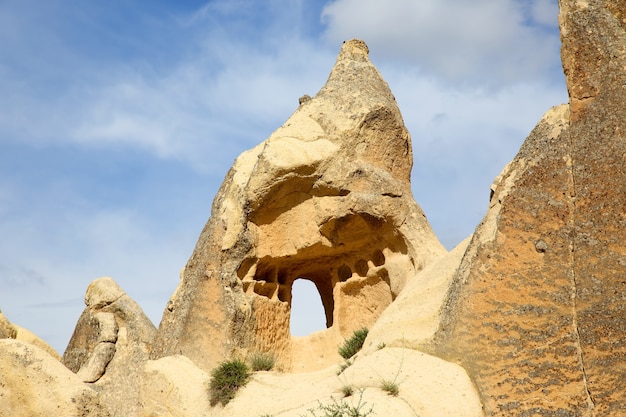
x=235, y=75
x=488, y=42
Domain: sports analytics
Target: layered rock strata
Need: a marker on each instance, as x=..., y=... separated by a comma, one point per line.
x=326, y=198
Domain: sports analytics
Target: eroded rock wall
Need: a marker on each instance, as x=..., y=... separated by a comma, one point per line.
x=326, y=198
x=536, y=312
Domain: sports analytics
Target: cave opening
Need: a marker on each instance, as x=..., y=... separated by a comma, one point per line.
x=308, y=314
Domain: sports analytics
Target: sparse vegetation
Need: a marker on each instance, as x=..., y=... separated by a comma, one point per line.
x=344, y=366
x=352, y=345
x=347, y=390
x=381, y=345
x=262, y=361
x=390, y=387
x=226, y=379
x=341, y=409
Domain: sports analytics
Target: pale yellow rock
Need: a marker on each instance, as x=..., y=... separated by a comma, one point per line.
x=110, y=344
x=7, y=329
x=102, y=291
x=414, y=317
x=174, y=387
x=27, y=336
x=35, y=384
x=326, y=198
x=428, y=387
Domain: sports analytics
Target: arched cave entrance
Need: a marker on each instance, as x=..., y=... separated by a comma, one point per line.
x=307, y=310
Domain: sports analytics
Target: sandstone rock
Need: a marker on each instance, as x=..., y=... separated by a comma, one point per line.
x=34, y=384
x=326, y=198
x=174, y=387
x=414, y=317
x=110, y=344
x=536, y=314
x=7, y=329
x=10, y=330
x=428, y=387
x=27, y=336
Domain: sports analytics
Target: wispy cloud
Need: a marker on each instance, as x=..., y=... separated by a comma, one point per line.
x=119, y=120
x=493, y=43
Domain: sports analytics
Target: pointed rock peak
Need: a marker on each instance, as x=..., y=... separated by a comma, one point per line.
x=355, y=83
x=354, y=49
x=325, y=198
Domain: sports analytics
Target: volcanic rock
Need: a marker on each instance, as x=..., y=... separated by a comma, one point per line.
x=110, y=345
x=33, y=383
x=536, y=313
x=326, y=198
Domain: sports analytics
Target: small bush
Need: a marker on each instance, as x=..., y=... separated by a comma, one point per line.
x=351, y=346
x=226, y=379
x=341, y=409
x=344, y=366
x=390, y=387
x=347, y=390
x=381, y=345
x=262, y=361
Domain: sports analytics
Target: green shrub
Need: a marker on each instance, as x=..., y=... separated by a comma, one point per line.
x=226, y=379
x=347, y=390
x=261, y=361
x=344, y=366
x=390, y=387
x=381, y=345
x=341, y=409
x=351, y=346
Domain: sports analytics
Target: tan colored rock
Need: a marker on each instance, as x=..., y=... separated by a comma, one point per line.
x=414, y=317
x=428, y=387
x=536, y=314
x=110, y=344
x=326, y=198
x=35, y=384
x=7, y=329
x=10, y=330
x=27, y=336
x=174, y=387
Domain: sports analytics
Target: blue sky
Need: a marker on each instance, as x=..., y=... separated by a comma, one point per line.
x=119, y=121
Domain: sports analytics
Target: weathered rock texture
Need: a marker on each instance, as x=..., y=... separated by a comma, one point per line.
x=10, y=330
x=326, y=198
x=110, y=344
x=414, y=317
x=7, y=329
x=428, y=387
x=33, y=383
x=537, y=312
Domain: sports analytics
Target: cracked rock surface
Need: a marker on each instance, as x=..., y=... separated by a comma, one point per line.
x=536, y=312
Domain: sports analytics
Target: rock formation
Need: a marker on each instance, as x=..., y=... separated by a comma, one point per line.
x=110, y=345
x=536, y=312
x=428, y=387
x=7, y=330
x=10, y=330
x=326, y=198
x=34, y=383
x=526, y=317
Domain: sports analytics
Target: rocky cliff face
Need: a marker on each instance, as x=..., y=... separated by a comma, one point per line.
x=326, y=198
x=536, y=312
